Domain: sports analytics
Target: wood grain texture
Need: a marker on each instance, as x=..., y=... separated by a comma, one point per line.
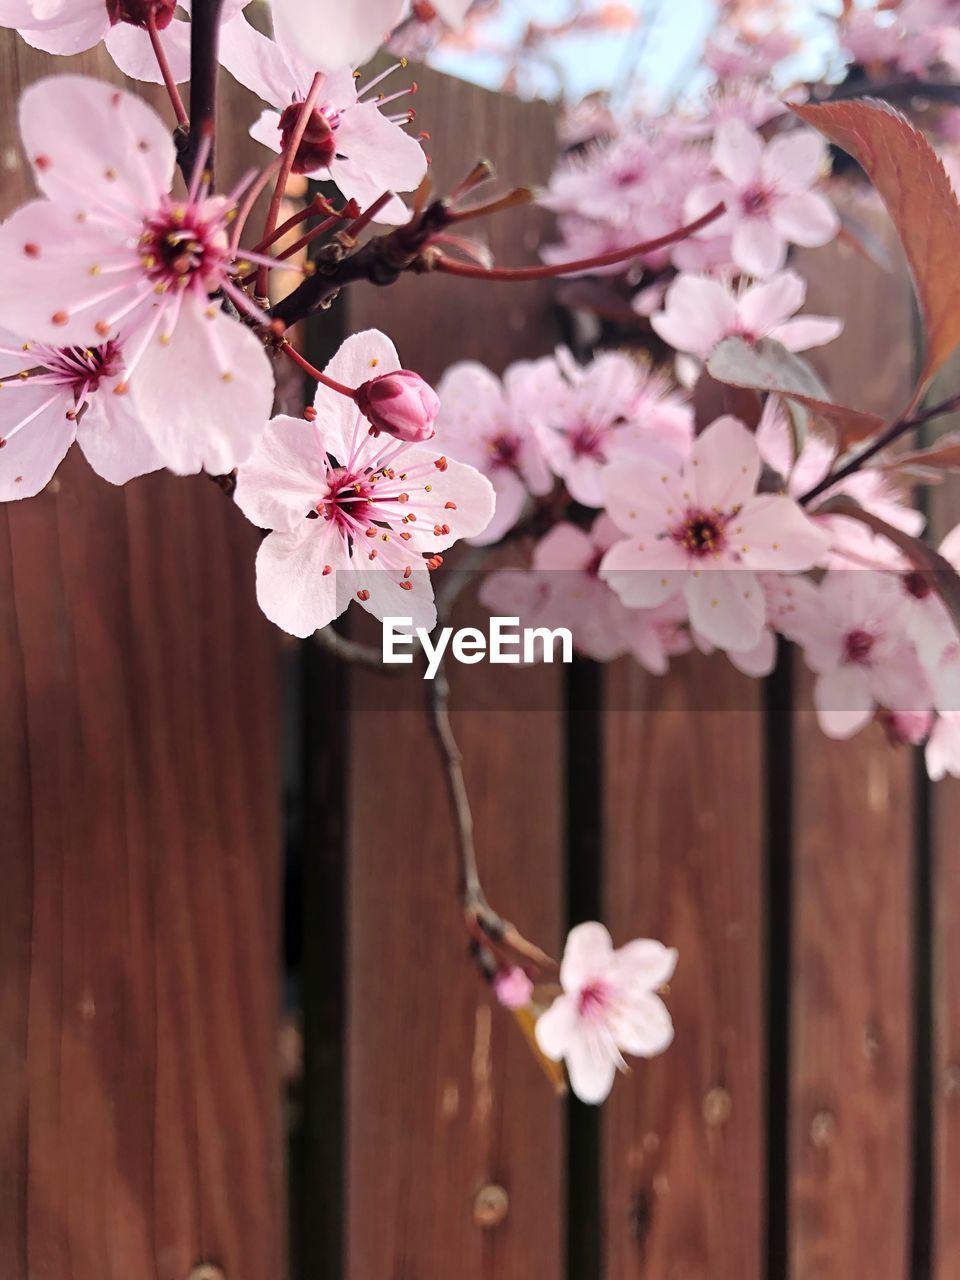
x=683, y=862
x=140, y=854
x=444, y=1096
x=854, y=834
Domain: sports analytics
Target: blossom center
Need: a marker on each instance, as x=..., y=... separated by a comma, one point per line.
x=755, y=201
x=317, y=147
x=702, y=534
x=593, y=999
x=858, y=646
x=348, y=499
x=917, y=584
x=586, y=441
x=178, y=245
x=506, y=450
x=138, y=12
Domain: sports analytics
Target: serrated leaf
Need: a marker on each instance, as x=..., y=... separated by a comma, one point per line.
x=911, y=181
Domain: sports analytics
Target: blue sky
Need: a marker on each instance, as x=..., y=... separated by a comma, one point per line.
x=653, y=62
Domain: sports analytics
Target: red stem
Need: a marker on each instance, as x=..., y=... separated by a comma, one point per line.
x=173, y=93
x=286, y=168
x=310, y=369
x=319, y=204
x=368, y=215
x=517, y=274
x=307, y=238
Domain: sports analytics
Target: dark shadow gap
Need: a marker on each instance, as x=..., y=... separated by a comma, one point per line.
x=584, y=842
x=778, y=714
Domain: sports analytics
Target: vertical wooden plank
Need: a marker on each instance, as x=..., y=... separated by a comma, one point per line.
x=854, y=836
x=944, y=888
x=444, y=1097
x=683, y=1135
x=139, y=801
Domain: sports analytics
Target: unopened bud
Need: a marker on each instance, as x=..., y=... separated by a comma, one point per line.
x=401, y=404
x=513, y=988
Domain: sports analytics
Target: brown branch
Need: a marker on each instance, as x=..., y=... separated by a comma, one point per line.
x=204, y=69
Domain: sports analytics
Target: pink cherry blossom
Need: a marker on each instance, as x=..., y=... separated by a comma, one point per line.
x=602, y=413
x=110, y=249
x=855, y=637
x=700, y=527
x=348, y=139
x=51, y=396
x=767, y=190
x=563, y=588
x=699, y=312
x=71, y=26
x=609, y=1007
x=355, y=514
x=486, y=423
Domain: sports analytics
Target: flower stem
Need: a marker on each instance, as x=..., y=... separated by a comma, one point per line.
x=286, y=168
x=899, y=427
x=173, y=92
x=204, y=69
x=545, y=272
x=317, y=374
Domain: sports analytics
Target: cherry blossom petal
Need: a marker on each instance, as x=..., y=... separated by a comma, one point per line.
x=806, y=218
x=806, y=331
x=644, y=963
x=638, y=583
x=639, y=495
x=266, y=129
x=459, y=497
x=82, y=31
x=697, y=315
x=452, y=12
x=332, y=35
x=230, y=381
x=644, y=1028
x=724, y=465
x=588, y=951
x=31, y=455
x=293, y=589
x=765, y=305
x=113, y=440
x=758, y=661
x=88, y=141
x=758, y=246
x=772, y=532
x=373, y=145
x=383, y=596
x=131, y=50
x=726, y=606
x=284, y=477
x=557, y=1028
x=258, y=63
x=510, y=495
x=592, y=1069
x=47, y=266
x=943, y=747
x=843, y=701
x=737, y=152
x=564, y=548
x=794, y=161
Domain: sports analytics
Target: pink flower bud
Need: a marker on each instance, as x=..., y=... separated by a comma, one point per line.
x=513, y=988
x=401, y=404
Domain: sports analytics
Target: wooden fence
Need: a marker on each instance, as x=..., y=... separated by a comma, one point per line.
x=804, y=1124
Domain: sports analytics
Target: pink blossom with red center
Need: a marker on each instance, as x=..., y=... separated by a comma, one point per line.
x=767, y=188
x=699, y=312
x=110, y=248
x=609, y=1007
x=356, y=515
x=699, y=526
x=486, y=423
x=349, y=138
x=855, y=634
x=71, y=26
x=606, y=412
x=51, y=396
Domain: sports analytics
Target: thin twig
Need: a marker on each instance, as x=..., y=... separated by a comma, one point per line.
x=897, y=428
x=351, y=651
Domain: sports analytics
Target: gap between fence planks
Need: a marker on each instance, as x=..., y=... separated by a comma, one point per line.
x=444, y=1098
x=140, y=852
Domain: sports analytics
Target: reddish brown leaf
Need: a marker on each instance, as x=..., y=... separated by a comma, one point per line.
x=911, y=181
x=944, y=455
